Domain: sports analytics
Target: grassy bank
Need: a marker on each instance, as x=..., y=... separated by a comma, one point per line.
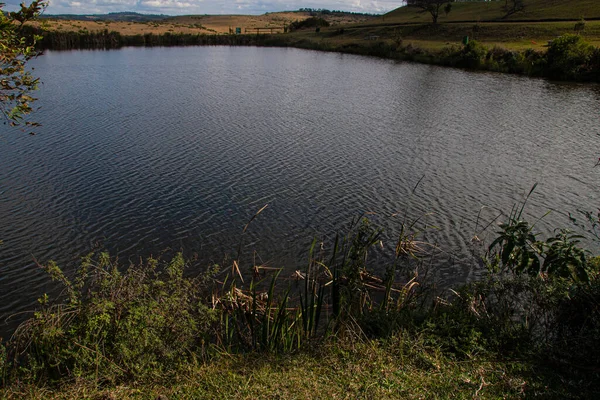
x=399, y=367
x=568, y=57
x=524, y=42
x=521, y=42
x=334, y=330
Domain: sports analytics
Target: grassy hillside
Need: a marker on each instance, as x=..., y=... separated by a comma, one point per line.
x=517, y=36
x=138, y=24
x=535, y=10
x=117, y=16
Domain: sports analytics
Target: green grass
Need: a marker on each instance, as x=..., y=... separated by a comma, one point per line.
x=515, y=36
x=151, y=332
x=535, y=10
x=401, y=367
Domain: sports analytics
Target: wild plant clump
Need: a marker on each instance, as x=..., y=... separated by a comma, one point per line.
x=568, y=57
x=539, y=303
x=145, y=323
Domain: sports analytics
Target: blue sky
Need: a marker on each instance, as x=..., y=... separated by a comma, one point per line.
x=177, y=7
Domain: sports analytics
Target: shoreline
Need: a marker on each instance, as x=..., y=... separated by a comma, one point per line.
x=573, y=59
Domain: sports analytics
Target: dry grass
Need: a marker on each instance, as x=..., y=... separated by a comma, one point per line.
x=195, y=23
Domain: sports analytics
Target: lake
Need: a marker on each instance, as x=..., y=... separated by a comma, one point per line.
x=146, y=150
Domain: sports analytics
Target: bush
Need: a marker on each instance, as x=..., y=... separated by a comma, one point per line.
x=577, y=339
x=313, y=22
x=472, y=55
x=143, y=324
x=568, y=57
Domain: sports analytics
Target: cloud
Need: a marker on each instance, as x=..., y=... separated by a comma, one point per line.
x=177, y=7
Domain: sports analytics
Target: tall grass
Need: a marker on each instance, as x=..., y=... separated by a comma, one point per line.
x=153, y=321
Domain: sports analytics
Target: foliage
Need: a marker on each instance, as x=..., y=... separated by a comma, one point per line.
x=150, y=322
x=15, y=50
x=577, y=339
x=472, y=55
x=590, y=224
x=513, y=6
x=552, y=322
x=433, y=7
x=312, y=22
x=568, y=57
x=142, y=324
x=338, y=281
x=258, y=321
x=517, y=250
x=579, y=26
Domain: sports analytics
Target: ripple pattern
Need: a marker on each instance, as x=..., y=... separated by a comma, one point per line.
x=143, y=150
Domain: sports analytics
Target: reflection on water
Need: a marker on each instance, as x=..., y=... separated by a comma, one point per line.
x=147, y=149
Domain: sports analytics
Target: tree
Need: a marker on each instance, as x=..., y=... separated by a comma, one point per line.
x=16, y=81
x=433, y=7
x=513, y=6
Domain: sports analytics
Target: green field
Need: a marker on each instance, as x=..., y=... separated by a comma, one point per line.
x=487, y=22
x=535, y=10
x=513, y=35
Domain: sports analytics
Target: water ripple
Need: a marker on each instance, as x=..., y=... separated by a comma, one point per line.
x=147, y=149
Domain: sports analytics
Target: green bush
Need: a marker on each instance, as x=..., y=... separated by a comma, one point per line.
x=577, y=316
x=472, y=55
x=142, y=324
x=517, y=250
x=313, y=22
x=568, y=57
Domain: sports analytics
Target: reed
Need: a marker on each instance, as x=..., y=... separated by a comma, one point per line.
x=153, y=322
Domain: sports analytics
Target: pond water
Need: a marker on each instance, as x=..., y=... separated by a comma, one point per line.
x=147, y=149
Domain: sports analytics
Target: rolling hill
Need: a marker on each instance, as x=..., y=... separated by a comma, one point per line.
x=535, y=10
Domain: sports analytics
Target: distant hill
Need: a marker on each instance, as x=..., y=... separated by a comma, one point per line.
x=117, y=17
x=333, y=17
x=222, y=23
x=535, y=10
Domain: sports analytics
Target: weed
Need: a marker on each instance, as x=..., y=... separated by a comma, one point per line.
x=135, y=325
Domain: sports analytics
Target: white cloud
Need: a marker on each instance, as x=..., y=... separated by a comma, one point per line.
x=175, y=7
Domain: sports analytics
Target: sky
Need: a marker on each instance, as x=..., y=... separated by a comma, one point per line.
x=179, y=7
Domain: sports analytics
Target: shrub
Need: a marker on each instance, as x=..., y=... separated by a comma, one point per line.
x=580, y=26
x=568, y=56
x=313, y=22
x=472, y=55
x=141, y=324
x=577, y=316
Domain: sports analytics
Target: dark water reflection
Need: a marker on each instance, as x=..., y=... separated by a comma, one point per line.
x=147, y=149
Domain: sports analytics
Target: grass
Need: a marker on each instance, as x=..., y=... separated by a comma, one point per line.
x=535, y=10
x=399, y=367
x=513, y=36
x=532, y=28
x=203, y=24
x=151, y=332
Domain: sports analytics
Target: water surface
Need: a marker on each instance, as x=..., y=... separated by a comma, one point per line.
x=147, y=149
